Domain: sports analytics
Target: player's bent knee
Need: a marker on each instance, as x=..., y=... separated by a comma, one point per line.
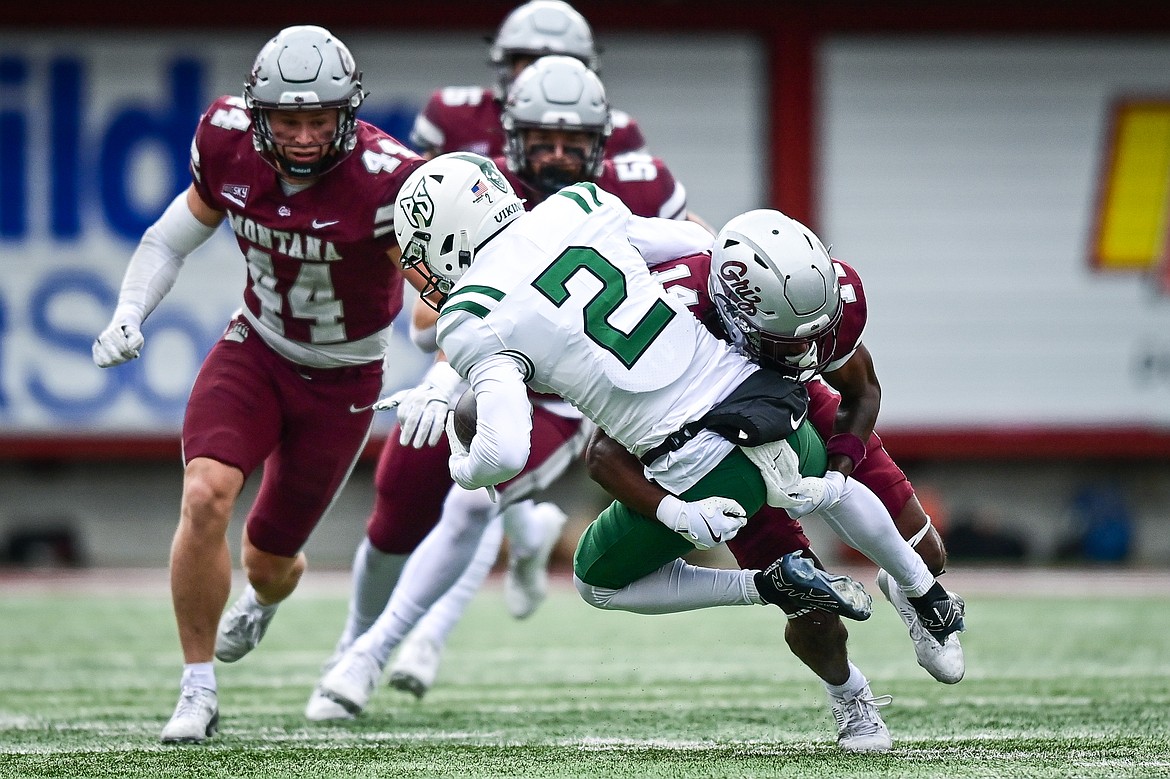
x=597, y=597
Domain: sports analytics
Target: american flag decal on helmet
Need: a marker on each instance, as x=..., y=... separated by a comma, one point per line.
x=479, y=189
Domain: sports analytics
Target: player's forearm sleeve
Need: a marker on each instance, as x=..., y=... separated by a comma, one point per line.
x=660, y=240
x=503, y=429
x=156, y=262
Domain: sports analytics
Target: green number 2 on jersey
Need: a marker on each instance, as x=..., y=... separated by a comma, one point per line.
x=627, y=347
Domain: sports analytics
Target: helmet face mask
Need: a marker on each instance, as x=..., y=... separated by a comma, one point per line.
x=777, y=293
x=556, y=99
x=303, y=69
x=537, y=28
x=447, y=209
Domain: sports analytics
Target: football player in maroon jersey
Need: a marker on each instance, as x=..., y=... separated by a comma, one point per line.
x=557, y=122
x=309, y=191
x=468, y=118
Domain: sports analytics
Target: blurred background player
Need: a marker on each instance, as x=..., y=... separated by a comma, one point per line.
x=291, y=383
x=468, y=118
x=557, y=120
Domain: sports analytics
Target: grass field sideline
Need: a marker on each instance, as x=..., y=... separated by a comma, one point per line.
x=1071, y=679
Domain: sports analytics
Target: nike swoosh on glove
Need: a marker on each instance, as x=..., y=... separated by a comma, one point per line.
x=813, y=494
x=705, y=523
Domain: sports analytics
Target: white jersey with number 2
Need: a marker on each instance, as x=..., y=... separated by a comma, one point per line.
x=565, y=293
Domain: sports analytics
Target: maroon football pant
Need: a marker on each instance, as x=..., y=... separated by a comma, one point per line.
x=306, y=425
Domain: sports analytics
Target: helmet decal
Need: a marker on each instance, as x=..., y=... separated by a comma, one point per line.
x=417, y=206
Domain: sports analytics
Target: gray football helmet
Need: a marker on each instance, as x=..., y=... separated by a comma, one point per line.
x=776, y=290
x=556, y=93
x=447, y=209
x=304, y=68
x=537, y=28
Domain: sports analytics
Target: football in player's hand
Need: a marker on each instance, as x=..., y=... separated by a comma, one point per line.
x=464, y=420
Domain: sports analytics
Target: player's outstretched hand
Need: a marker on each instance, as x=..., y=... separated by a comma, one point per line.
x=422, y=410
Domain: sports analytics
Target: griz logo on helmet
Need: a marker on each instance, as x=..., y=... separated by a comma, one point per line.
x=748, y=296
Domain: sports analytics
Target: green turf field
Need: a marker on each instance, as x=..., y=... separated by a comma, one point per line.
x=1055, y=687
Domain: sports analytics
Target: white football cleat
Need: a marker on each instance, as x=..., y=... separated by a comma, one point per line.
x=526, y=581
x=240, y=628
x=416, y=666
x=196, y=717
x=944, y=661
x=322, y=708
x=859, y=723
x=351, y=682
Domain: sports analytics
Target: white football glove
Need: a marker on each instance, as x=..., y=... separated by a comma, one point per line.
x=813, y=494
x=119, y=342
x=705, y=523
x=780, y=467
x=422, y=410
x=459, y=453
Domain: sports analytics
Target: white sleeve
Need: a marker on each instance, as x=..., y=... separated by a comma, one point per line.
x=503, y=425
x=156, y=262
x=426, y=339
x=660, y=240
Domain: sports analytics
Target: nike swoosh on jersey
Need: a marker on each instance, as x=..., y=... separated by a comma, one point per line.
x=356, y=409
x=798, y=421
x=318, y=225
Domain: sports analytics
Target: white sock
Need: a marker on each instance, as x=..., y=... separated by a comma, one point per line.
x=676, y=586
x=525, y=536
x=861, y=520
x=441, y=618
x=432, y=569
x=852, y=686
x=199, y=675
x=375, y=573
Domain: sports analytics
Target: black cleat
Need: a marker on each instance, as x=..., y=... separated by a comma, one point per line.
x=940, y=616
x=793, y=582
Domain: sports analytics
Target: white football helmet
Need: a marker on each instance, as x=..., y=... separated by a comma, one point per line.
x=304, y=68
x=446, y=211
x=537, y=28
x=776, y=290
x=556, y=93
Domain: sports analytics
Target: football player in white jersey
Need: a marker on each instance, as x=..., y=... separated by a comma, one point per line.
x=562, y=301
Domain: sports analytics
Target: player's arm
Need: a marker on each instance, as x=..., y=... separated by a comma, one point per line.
x=700, y=221
x=503, y=428
x=704, y=523
x=861, y=397
x=185, y=225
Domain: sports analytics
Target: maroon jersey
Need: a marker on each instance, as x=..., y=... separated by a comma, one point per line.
x=321, y=288
x=468, y=119
x=643, y=183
